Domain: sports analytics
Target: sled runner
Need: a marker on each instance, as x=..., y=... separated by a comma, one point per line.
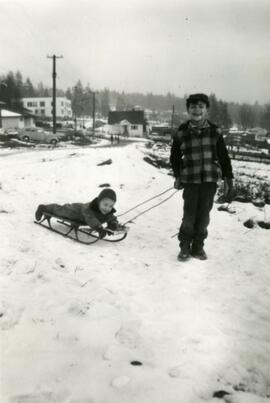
x=78, y=231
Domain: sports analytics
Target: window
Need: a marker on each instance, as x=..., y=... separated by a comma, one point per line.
x=29, y=103
x=36, y=111
x=42, y=111
x=134, y=127
x=42, y=103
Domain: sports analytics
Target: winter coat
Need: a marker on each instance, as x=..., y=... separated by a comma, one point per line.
x=85, y=213
x=200, y=155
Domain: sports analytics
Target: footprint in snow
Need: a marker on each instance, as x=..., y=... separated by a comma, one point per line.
x=128, y=336
x=60, y=262
x=9, y=316
x=120, y=381
x=79, y=308
x=178, y=371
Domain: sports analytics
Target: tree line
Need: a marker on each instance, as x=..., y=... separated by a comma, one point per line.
x=13, y=87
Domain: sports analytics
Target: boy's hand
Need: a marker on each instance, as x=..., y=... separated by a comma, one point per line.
x=124, y=228
x=113, y=225
x=177, y=184
x=102, y=232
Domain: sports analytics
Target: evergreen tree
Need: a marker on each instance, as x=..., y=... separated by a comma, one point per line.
x=88, y=101
x=218, y=112
x=214, y=113
x=19, y=80
x=104, y=102
x=150, y=101
x=247, y=116
x=46, y=92
x=120, y=102
x=68, y=94
x=258, y=113
x=265, y=119
x=77, y=99
x=28, y=90
x=224, y=117
x=11, y=91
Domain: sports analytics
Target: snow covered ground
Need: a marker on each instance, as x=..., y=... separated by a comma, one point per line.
x=74, y=317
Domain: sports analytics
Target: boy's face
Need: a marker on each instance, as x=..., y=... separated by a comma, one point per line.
x=198, y=111
x=105, y=205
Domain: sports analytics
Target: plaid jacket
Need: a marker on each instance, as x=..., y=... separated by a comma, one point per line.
x=200, y=155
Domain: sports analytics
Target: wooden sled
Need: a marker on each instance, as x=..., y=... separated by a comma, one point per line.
x=78, y=232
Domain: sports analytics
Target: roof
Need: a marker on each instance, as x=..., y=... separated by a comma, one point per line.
x=9, y=114
x=26, y=113
x=133, y=117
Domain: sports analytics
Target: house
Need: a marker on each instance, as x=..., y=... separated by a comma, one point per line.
x=14, y=120
x=42, y=106
x=127, y=123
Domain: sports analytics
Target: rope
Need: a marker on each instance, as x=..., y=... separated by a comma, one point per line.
x=140, y=204
x=150, y=208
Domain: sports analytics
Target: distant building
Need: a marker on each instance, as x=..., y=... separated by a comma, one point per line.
x=42, y=107
x=127, y=123
x=259, y=133
x=13, y=120
x=162, y=130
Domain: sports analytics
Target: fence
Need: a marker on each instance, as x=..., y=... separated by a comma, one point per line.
x=249, y=156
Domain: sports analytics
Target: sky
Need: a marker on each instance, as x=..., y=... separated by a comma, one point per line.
x=158, y=46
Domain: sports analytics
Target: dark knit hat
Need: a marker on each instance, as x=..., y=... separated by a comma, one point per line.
x=107, y=193
x=195, y=98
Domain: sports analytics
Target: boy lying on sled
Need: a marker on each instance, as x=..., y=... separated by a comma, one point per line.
x=95, y=213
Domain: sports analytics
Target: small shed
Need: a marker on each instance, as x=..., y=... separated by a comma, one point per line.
x=14, y=120
x=127, y=123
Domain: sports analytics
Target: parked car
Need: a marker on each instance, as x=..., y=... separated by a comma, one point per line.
x=43, y=125
x=39, y=135
x=11, y=133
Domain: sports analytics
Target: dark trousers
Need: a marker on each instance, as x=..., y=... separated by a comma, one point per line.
x=198, y=202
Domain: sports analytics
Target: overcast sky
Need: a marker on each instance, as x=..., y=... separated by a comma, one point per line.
x=181, y=46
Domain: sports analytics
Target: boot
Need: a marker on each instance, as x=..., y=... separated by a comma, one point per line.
x=184, y=253
x=39, y=212
x=197, y=251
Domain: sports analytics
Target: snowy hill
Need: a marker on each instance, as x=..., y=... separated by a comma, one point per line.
x=74, y=317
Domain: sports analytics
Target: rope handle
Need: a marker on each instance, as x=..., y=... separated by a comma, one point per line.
x=150, y=208
x=145, y=201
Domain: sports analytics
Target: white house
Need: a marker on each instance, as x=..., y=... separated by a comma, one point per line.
x=42, y=106
x=13, y=120
x=127, y=123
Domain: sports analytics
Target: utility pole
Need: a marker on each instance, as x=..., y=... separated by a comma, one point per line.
x=75, y=108
x=1, y=104
x=172, y=120
x=3, y=85
x=94, y=112
x=54, y=57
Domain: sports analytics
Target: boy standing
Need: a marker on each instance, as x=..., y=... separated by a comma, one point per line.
x=199, y=158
